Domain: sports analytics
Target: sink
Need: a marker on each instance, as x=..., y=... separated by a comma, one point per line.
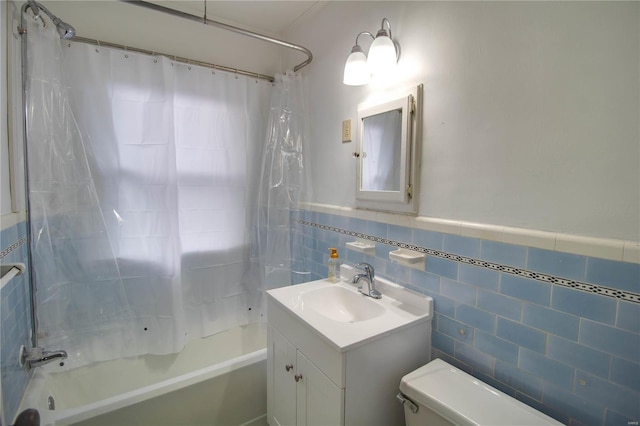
x=339, y=304
x=345, y=318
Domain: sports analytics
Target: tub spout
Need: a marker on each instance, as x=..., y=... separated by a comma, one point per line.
x=35, y=357
x=48, y=356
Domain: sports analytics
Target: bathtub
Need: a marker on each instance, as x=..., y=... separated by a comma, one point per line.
x=219, y=380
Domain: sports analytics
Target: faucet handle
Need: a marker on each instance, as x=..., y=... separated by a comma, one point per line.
x=367, y=268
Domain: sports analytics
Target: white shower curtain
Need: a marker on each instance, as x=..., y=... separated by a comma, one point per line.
x=82, y=304
x=172, y=157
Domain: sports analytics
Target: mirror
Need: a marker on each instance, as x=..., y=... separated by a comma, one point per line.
x=381, y=149
x=387, y=153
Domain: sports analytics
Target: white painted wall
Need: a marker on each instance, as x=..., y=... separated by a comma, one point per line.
x=531, y=109
x=5, y=194
x=531, y=112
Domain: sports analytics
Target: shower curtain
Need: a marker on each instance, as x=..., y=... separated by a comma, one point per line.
x=81, y=298
x=284, y=185
x=142, y=198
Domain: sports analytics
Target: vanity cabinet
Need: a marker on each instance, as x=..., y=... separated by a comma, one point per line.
x=313, y=381
x=302, y=394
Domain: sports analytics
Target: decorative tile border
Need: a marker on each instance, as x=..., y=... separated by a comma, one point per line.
x=12, y=247
x=603, y=248
x=578, y=285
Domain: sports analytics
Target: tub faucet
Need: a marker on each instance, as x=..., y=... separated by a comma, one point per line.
x=370, y=277
x=36, y=357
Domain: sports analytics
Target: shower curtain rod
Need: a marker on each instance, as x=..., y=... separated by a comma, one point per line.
x=227, y=27
x=188, y=61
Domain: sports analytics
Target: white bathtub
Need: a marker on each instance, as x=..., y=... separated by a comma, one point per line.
x=220, y=380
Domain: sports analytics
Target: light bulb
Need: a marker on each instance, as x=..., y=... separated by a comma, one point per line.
x=382, y=55
x=356, y=69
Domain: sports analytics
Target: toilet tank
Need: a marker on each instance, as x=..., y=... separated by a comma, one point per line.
x=438, y=393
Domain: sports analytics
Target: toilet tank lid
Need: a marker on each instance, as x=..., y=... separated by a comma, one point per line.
x=463, y=399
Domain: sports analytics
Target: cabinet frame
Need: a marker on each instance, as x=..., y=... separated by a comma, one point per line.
x=372, y=370
x=300, y=393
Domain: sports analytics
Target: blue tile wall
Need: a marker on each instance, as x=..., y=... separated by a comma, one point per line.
x=505, y=306
x=571, y=353
x=463, y=246
x=519, y=380
x=623, y=276
x=625, y=373
x=585, y=305
x=16, y=322
x=579, y=356
x=497, y=347
x=562, y=264
x=551, y=321
x=629, y=316
x=526, y=289
x=522, y=335
x=505, y=254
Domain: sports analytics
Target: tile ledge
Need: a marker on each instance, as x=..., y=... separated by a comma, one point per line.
x=605, y=248
x=10, y=219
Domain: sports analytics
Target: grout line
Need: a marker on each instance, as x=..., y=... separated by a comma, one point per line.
x=521, y=272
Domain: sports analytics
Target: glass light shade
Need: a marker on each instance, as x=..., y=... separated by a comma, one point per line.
x=356, y=70
x=382, y=55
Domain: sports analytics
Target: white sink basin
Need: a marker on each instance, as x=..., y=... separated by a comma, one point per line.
x=340, y=304
x=344, y=317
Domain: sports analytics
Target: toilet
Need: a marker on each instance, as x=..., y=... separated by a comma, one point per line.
x=440, y=394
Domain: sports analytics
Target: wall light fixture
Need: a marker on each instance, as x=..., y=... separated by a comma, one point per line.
x=384, y=54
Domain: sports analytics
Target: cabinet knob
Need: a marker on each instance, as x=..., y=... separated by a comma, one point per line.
x=298, y=377
x=288, y=367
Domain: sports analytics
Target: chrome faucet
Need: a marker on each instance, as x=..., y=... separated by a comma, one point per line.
x=36, y=357
x=370, y=277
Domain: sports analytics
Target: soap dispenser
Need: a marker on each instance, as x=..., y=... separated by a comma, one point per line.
x=334, y=266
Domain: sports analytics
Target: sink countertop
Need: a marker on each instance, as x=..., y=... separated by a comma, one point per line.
x=398, y=308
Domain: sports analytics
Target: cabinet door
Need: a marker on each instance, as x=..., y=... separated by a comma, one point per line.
x=284, y=384
x=319, y=400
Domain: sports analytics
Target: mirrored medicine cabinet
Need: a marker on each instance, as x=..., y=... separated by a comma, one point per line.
x=388, y=153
